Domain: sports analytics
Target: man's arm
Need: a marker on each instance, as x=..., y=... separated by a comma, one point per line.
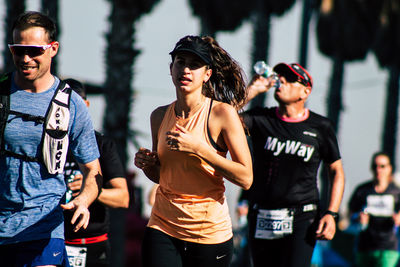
x=256, y=86
x=327, y=225
x=115, y=192
x=92, y=181
x=117, y=195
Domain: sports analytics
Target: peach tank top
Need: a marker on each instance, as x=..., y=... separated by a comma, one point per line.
x=190, y=201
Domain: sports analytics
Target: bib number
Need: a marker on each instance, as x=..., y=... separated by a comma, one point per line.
x=76, y=256
x=274, y=224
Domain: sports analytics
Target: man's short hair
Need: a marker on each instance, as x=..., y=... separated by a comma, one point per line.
x=36, y=19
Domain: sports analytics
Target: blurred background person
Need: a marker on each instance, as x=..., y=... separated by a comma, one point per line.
x=375, y=206
x=241, y=252
x=135, y=223
x=91, y=245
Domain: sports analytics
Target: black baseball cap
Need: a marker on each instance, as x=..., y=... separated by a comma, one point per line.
x=195, y=45
x=294, y=72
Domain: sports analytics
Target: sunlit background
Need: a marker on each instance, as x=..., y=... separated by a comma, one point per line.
x=84, y=25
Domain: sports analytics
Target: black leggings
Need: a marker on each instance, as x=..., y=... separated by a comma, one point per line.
x=294, y=250
x=162, y=250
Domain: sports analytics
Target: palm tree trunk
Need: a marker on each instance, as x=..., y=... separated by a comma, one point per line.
x=118, y=92
x=308, y=6
x=206, y=29
x=261, y=40
x=13, y=9
x=391, y=113
x=335, y=105
x=120, y=56
x=51, y=8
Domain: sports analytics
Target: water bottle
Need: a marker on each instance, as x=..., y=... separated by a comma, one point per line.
x=261, y=68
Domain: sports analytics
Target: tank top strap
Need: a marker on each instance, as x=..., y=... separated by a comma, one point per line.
x=213, y=143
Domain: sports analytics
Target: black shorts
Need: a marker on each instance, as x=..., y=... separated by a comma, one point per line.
x=162, y=250
x=293, y=250
x=97, y=254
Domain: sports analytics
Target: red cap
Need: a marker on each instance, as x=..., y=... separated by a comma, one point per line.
x=294, y=72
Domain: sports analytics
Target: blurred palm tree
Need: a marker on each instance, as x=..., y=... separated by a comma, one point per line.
x=345, y=32
x=221, y=15
x=120, y=56
x=118, y=93
x=13, y=9
x=309, y=7
x=262, y=11
x=386, y=50
x=51, y=8
x=228, y=15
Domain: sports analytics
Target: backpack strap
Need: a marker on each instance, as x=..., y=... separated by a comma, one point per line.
x=28, y=117
x=5, y=89
x=55, y=139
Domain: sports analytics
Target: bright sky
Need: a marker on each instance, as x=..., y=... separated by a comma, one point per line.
x=84, y=25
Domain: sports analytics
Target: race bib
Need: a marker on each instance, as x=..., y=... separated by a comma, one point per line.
x=380, y=205
x=273, y=224
x=76, y=256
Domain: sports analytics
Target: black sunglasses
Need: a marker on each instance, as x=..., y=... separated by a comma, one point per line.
x=380, y=166
x=292, y=78
x=30, y=50
x=293, y=73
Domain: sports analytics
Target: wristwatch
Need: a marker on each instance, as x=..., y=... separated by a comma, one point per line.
x=335, y=215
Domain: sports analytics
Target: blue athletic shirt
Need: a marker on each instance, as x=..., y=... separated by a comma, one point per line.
x=30, y=197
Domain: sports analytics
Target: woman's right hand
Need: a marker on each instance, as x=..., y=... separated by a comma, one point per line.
x=145, y=158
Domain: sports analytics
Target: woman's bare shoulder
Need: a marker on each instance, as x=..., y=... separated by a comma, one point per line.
x=221, y=109
x=159, y=112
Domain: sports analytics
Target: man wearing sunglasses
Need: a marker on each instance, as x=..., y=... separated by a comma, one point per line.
x=31, y=193
x=288, y=144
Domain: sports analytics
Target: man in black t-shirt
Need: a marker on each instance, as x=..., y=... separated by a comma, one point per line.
x=375, y=205
x=288, y=144
x=90, y=247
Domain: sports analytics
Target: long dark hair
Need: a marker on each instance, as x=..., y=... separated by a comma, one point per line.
x=227, y=83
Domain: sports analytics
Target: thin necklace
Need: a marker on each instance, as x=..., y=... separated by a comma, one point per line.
x=190, y=112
